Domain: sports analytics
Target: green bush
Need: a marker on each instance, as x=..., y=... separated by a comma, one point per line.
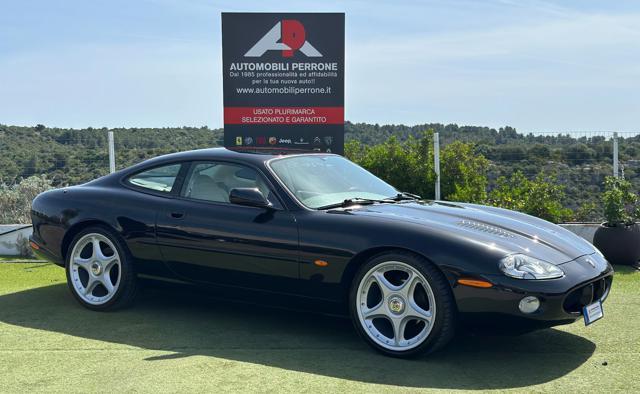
x=15, y=201
x=463, y=173
x=408, y=166
x=541, y=197
x=620, y=203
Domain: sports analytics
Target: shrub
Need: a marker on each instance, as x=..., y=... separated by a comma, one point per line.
x=463, y=173
x=15, y=201
x=541, y=197
x=586, y=212
x=620, y=203
x=407, y=166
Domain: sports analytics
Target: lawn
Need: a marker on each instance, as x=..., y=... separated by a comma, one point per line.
x=166, y=343
x=15, y=259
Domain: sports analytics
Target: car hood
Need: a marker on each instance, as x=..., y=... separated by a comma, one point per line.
x=498, y=229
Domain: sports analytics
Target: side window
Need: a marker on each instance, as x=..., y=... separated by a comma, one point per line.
x=213, y=182
x=159, y=178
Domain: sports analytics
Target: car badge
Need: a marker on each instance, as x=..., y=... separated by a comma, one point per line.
x=328, y=140
x=591, y=262
x=248, y=140
x=238, y=140
x=261, y=140
x=273, y=140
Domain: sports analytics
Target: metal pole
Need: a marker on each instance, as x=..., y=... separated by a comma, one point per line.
x=112, y=153
x=436, y=162
x=615, y=154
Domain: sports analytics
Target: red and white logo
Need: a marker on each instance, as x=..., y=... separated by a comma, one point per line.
x=287, y=36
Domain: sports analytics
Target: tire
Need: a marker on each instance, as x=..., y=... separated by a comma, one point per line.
x=90, y=273
x=415, y=290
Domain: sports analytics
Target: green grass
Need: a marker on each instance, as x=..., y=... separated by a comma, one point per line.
x=166, y=343
x=15, y=258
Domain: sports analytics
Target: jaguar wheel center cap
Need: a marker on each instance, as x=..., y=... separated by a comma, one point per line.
x=396, y=305
x=96, y=268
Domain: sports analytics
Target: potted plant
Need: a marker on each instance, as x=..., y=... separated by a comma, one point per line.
x=619, y=237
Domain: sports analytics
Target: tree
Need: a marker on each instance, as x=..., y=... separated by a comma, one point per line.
x=407, y=166
x=463, y=175
x=541, y=197
x=579, y=153
x=540, y=152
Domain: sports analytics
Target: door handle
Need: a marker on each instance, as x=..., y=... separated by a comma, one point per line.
x=177, y=215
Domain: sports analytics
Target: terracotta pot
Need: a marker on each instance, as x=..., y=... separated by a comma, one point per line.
x=619, y=244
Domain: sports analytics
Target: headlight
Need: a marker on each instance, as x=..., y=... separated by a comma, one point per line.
x=521, y=266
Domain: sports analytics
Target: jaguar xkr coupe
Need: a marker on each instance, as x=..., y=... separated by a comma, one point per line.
x=317, y=226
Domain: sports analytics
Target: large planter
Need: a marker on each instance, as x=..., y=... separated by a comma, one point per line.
x=619, y=244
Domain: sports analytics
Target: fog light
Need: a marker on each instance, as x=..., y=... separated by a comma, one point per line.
x=529, y=304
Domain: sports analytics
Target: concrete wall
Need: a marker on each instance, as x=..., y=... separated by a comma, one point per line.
x=12, y=236
x=585, y=230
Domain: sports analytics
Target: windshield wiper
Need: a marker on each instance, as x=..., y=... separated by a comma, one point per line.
x=402, y=196
x=354, y=201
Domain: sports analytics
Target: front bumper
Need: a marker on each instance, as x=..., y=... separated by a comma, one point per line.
x=561, y=300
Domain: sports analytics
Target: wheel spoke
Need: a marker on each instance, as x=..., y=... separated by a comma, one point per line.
x=376, y=311
x=409, y=286
x=97, y=250
x=399, y=326
x=80, y=262
x=106, y=282
x=91, y=285
x=107, y=265
x=385, y=286
x=416, y=312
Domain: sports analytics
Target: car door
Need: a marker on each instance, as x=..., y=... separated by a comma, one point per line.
x=204, y=238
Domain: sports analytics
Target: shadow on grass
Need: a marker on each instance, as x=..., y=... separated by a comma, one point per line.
x=190, y=324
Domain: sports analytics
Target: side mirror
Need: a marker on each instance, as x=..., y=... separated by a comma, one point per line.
x=248, y=196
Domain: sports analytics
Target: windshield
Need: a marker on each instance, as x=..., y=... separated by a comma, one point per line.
x=318, y=180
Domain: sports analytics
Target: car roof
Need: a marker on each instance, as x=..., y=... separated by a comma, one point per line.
x=248, y=155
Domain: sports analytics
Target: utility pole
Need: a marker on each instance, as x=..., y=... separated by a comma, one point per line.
x=615, y=154
x=436, y=162
x=112, y=153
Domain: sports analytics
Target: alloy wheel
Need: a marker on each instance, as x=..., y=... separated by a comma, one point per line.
x=95, y=268
x=396, y=306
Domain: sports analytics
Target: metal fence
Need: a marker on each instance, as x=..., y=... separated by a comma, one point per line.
x=579, y=161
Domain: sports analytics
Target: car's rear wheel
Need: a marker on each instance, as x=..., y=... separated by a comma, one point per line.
x=99, y=270
x=402, y=305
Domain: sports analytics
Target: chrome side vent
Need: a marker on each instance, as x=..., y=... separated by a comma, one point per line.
x=485, y=228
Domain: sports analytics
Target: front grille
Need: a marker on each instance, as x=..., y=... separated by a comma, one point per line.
x=587, y=294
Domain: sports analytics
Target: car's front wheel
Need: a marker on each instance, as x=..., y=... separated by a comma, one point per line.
x=99, y=270
x=402, y=305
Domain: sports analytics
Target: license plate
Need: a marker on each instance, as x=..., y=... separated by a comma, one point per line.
x=592, y=312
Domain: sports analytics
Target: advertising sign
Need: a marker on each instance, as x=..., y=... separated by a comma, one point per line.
x=283, y=81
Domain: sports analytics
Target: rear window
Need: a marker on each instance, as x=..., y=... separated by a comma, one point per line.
x=160, y=179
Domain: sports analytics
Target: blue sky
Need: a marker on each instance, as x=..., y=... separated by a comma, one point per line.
x=534, y=65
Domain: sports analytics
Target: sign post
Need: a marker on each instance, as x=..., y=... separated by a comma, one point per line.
x=283, y=81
